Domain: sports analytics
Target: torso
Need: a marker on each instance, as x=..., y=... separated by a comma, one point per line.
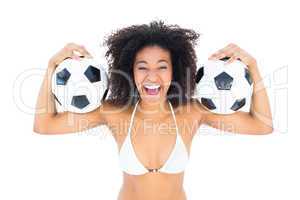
x=158, y=136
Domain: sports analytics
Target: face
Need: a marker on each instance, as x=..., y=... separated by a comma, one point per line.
x=152, y=73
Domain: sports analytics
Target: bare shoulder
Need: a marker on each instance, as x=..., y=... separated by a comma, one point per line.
x=192, y=111
x=112, y=113
x=189, y=118
x=116, y=118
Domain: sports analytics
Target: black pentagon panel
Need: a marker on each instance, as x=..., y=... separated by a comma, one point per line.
x=223, y=81
x=225, y=58
x=56, y=99
x=239, y=103
x=80, y=101
x=208, y=103
x=248, y=77
x=93, y=74
x=62, y=77
x=199, y=74
x=105, y=94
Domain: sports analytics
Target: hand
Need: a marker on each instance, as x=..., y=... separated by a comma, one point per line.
x=71, y=50
x=235, y=53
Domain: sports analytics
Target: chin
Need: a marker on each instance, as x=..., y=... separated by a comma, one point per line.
x=153, y=99
x=149, y=98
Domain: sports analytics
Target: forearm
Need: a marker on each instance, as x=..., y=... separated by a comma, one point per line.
x=260, y=107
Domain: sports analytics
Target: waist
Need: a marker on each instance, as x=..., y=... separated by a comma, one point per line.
x=158, y=186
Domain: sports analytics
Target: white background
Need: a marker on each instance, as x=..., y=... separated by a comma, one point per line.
x=84, y=166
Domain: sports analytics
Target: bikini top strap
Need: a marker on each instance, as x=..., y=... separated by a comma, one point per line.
x=134, y=110
x=174, y=117
x=132, y=115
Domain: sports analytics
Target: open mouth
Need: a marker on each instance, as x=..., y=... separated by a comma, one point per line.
x=152, y=89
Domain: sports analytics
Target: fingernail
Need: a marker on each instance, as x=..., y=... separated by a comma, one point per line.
x=76, y=57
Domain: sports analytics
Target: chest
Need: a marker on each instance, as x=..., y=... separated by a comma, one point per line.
x=154, y=140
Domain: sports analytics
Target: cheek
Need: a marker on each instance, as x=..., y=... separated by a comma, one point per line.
x=167, y=78
x=138, y=79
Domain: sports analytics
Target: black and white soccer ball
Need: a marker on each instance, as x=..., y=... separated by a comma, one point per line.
x=79, y=85
x=224, y=89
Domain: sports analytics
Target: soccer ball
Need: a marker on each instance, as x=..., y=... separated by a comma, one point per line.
x=79, y=85
x=224, y=89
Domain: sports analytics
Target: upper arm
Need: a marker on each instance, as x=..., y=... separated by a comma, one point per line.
x=238, y=122
x=68, y=122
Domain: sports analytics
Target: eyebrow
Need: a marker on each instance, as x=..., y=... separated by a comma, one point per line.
x=142, y=61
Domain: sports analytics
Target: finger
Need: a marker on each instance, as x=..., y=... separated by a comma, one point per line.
x=231, y=59
x=243, y=59
x=225, y=52
x=217, y=54
x=74, y=48
x=76, y=57
x=240, y=57
x=88, y=54
x=232, y=45
x=61, y=56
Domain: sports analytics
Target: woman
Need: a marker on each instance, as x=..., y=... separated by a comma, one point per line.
x=150, y=111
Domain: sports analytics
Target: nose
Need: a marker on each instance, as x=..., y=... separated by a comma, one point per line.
x=152, y=75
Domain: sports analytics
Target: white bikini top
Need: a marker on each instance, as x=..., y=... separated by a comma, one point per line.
x=130, y=164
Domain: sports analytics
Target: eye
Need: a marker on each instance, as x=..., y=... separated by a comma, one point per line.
x=163, y=67
x=142, y=68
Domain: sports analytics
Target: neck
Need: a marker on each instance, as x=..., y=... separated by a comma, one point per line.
x=150, y=109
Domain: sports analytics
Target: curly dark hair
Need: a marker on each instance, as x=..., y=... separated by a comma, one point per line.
x=123, y=46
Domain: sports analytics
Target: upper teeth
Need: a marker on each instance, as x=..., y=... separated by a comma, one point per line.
x=152, y=86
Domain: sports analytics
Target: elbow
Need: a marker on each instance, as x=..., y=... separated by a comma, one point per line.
x=265, y=130
x=42, y=125
x=263, y=127
x=268, y=128
x=40, y=129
